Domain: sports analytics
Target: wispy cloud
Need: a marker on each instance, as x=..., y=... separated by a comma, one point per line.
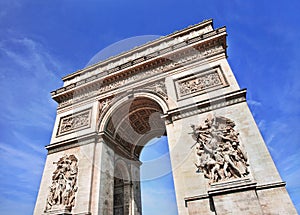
x=26, y=118
x=253, y=102
x=27, y=80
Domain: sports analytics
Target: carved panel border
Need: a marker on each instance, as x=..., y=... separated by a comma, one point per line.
x=200, y=82
x=74, y=122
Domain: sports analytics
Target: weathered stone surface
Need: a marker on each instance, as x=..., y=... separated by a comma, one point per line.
x=109, y=111
x=64, y=185
x=243, y=202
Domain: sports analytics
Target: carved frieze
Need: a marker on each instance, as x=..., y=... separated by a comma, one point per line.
x=200, y=82
x=77, y=121
x=166, y=64
x=62, y=191
x=220, y=155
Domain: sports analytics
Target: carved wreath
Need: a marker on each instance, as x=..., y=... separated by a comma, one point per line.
x=219, y=152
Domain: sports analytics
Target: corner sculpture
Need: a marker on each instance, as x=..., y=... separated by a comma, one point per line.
x=220, y=155
x=63, y=188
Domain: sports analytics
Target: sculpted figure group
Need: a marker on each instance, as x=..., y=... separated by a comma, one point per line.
x=63, y=188
x=219, y=153
x=74, y=122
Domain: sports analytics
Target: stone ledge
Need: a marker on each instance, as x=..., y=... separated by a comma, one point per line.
x=71, y=143
x=224, y=187
x=270, y=185
x=206, y=105
x=59, y=210
x=231, y=186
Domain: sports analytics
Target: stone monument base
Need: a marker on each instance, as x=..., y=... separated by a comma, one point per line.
x=59, y=210
x=237, y=196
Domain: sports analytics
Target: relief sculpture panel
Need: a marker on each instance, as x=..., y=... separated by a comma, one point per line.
x=220, y=155
x=63, y=188
x=200, y=82
x=74, y=122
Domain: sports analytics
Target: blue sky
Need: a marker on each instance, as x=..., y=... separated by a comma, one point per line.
x=41, y=41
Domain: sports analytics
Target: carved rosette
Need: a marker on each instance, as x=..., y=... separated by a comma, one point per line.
x=62, y=191
x=220, y=155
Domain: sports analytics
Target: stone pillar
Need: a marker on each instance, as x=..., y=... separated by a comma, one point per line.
x=106, y=180
x=127, y=197
x=57, y=175
x=136, y=189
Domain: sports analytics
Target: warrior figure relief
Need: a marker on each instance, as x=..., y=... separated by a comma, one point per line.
x=220, y=155
x=63, y=188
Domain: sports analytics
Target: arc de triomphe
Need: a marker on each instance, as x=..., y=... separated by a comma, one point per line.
x=180, y=85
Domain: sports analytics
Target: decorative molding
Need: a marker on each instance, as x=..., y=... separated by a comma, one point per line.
x=159, y=88
x=158, y=66
x=200, y=82
x=61, y=197
x=77, y=121
x=271, y=185
x=220, y=156
x=162, y=45
x=206, y=105
x=72, y=143
x=104, y=104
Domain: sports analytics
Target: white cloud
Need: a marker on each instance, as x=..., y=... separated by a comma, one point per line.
x=27, y=80
x=159, y=201
x=28, y=113
x=262, y=125
x=253, y=102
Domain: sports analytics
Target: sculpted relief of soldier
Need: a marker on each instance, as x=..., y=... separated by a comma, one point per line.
x=63, y=188
x=220, y=155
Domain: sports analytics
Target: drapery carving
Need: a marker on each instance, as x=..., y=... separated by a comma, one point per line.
x=63, y=188
x=220, y=155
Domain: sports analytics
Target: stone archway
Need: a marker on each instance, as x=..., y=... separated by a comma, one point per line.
x=122, y=184
x=130, y=124
x=182, y=85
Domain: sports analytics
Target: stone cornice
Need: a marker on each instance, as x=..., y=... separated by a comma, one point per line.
x=203, y=46
x=206, y=105
x=253, y=185
x=71, y=143
x=200, y=26
x=271, y=185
